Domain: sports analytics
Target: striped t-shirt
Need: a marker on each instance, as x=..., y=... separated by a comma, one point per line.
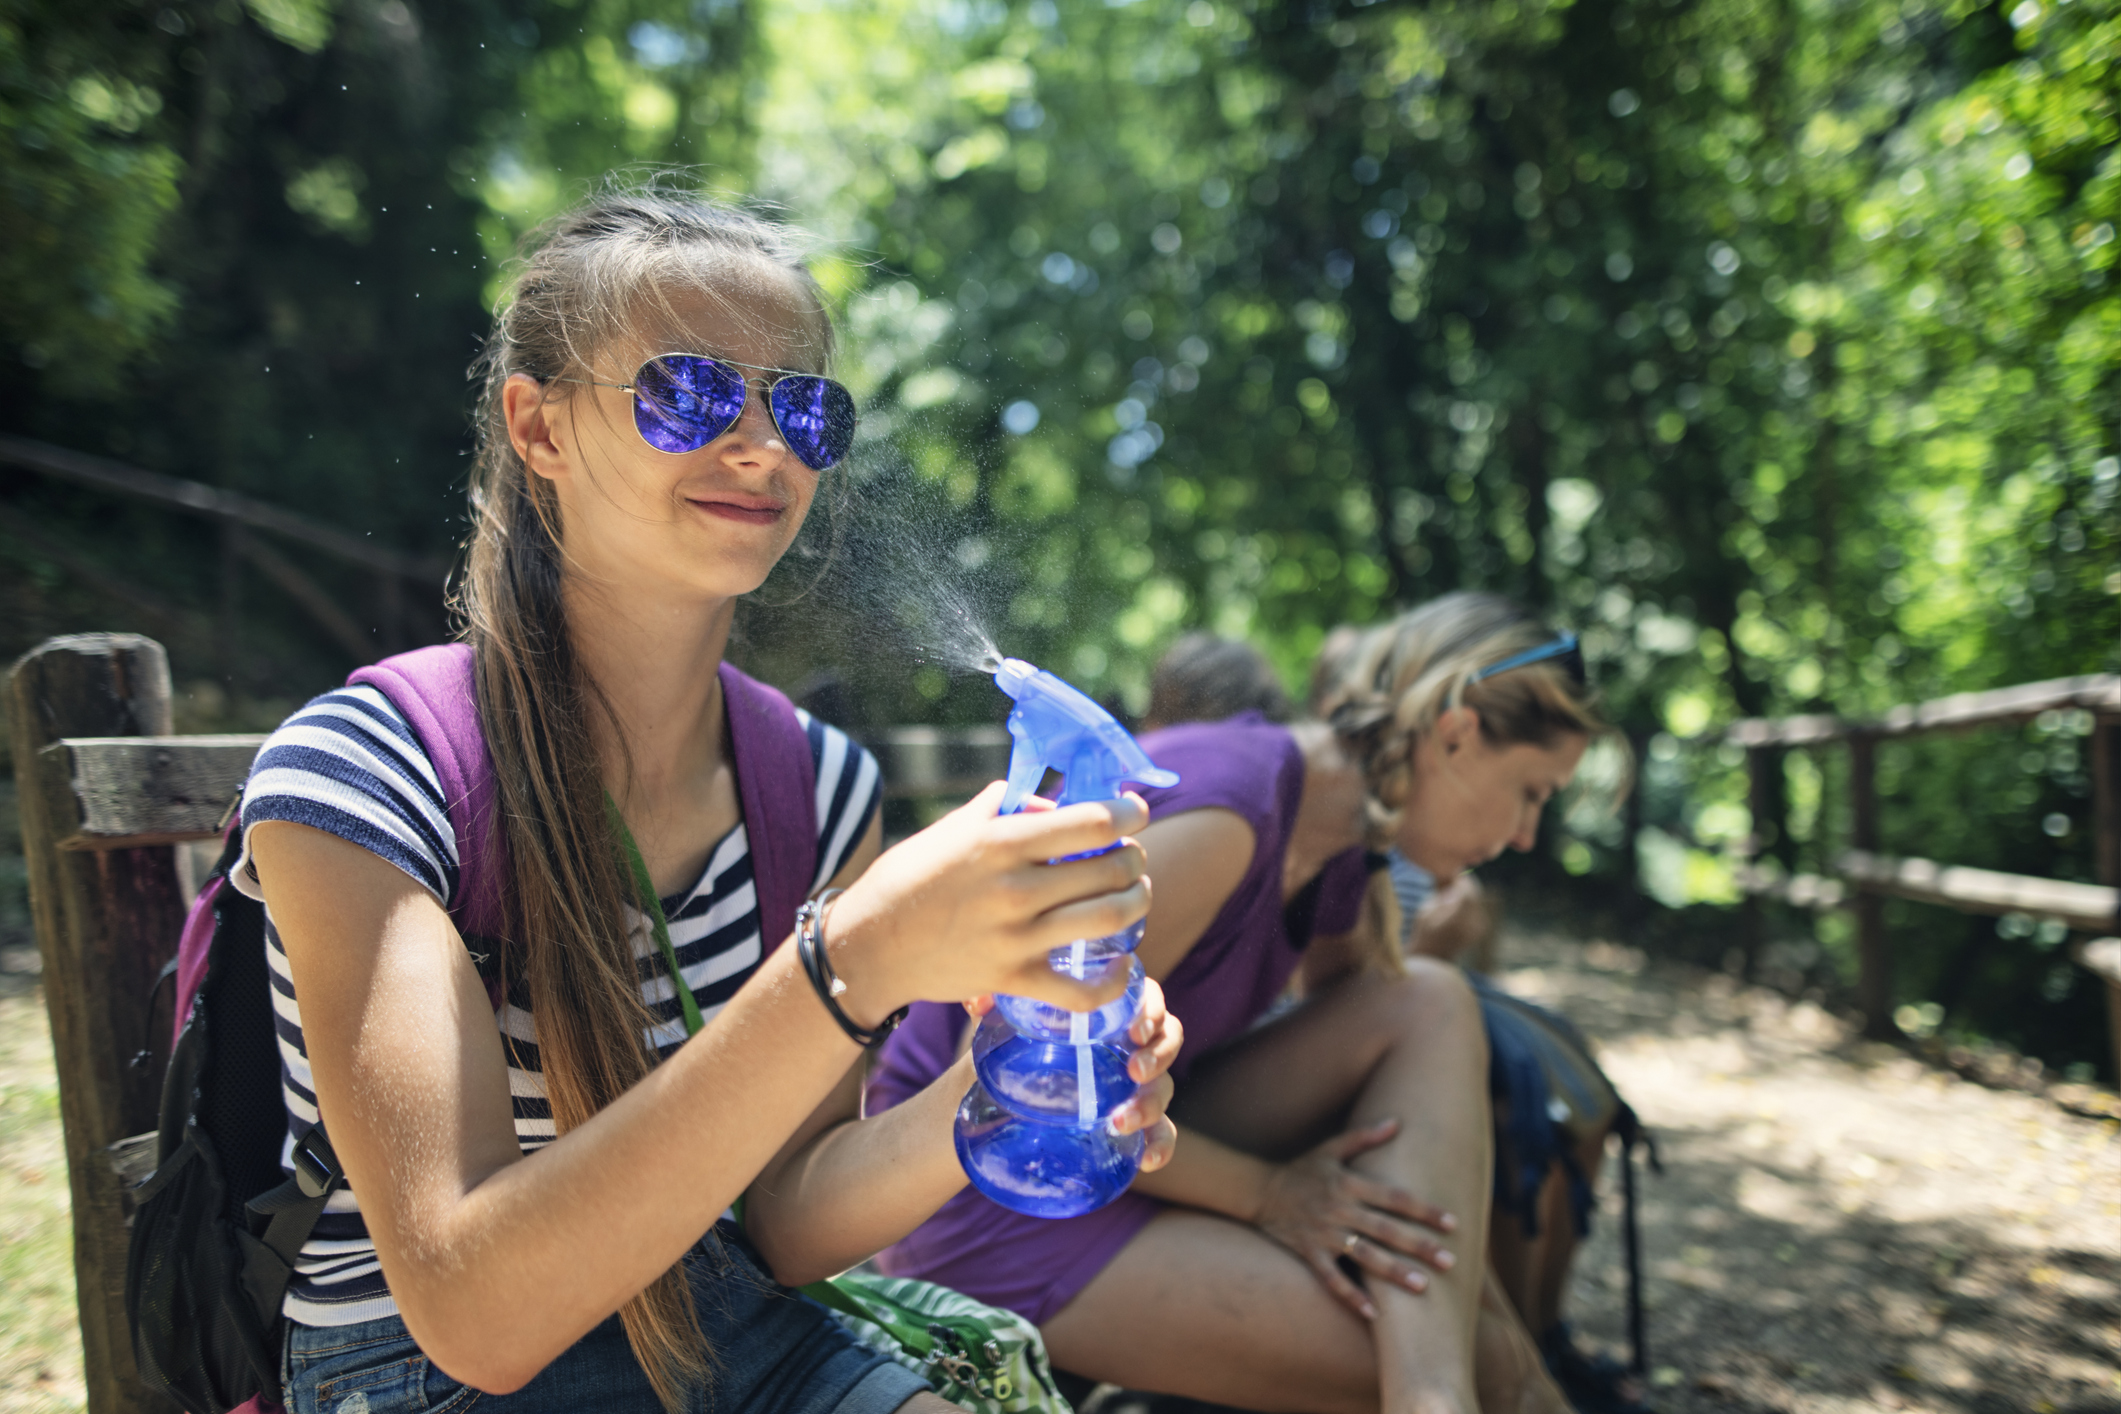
x=348, y=764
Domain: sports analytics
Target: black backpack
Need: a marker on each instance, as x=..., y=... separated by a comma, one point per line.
x=217, y=1227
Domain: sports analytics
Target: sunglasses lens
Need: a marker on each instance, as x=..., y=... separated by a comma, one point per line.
x=816, y=415
x=681, y=403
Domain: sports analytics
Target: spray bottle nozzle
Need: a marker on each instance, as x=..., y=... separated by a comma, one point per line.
x=1058, y=727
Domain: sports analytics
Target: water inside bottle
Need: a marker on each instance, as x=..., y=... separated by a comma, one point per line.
x=1042, y=1170
x=1047, y=1022
x=1044, y=1081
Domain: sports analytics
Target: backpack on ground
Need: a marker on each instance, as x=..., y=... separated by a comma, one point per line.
x=218, y=1226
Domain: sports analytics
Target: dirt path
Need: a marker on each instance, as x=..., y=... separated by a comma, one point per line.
x=1839, y=1227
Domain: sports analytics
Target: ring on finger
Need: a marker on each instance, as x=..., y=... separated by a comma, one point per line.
x=1348, y=1243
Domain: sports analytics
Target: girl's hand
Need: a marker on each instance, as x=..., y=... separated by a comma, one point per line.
x=1159, y=1034
x=970, y=905
x=1322, y=1210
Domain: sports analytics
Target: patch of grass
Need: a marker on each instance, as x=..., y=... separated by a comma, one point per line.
x=40, y=1342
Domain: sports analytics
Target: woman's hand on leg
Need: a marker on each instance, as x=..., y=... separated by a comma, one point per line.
x=1323, y=1210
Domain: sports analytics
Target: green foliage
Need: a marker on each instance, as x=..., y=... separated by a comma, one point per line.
x=1773, y=344
x=83, y=193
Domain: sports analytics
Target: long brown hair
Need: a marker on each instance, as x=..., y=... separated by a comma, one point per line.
x=597, y=278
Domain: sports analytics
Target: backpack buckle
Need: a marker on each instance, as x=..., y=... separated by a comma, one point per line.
x=317, y=1169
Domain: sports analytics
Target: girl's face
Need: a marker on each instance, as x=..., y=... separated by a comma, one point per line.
x=671, y=529
x=1472, y=799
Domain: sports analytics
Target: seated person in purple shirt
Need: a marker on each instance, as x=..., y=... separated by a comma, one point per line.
x=1316, y=1243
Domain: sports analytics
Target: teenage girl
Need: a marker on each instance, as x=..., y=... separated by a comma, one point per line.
x=1317, y=1243
x=538, y=1177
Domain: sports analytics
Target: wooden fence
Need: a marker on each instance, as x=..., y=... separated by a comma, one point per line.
x=1863, y=876
x=399, y=618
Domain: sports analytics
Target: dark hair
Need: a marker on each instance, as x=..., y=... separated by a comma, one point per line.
x=598, y=277
x=1203, y=678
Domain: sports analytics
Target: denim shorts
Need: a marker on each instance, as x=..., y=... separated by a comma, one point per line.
x=775, y=1352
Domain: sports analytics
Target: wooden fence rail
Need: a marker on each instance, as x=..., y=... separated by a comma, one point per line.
x=1862, y=876
x=240, y=516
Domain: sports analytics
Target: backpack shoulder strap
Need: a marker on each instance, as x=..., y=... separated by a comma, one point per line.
x=436, y=689
x=777, y=785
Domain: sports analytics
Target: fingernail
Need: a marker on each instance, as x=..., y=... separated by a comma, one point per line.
x=1129, y=815
x=1369, y=1311
x=1450, y=1222
x=1415, y=1282
x=1445, y=1260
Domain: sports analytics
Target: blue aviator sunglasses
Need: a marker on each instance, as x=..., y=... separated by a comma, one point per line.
x=1564, y=647
x=681, y=402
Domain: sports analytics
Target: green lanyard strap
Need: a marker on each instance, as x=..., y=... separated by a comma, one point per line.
x=653, y=907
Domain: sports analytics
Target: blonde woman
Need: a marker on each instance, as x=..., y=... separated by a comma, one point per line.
x=1317, y=1242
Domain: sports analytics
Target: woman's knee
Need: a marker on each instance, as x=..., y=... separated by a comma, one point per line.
x=1434, y=1000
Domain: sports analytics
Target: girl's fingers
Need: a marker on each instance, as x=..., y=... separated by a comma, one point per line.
x=1161, y=1143
x=1158, y=1050
x=1399, y=1239
x=1038, y=887
x=1152, y=1013
x=1096, y=917
x=1146, y=1110
x=1355, y=1141
x=1072, y=829
x=980, y=1005
x=1381, y=1263
x=1386, y=1198
x=1346, y=1292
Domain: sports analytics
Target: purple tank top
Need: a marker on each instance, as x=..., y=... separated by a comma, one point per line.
x=1248, y=766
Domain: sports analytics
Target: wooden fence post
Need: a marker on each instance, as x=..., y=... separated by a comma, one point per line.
x=1874, y=959
x=106, y=922
x=2106, y=820
x=1753, y=920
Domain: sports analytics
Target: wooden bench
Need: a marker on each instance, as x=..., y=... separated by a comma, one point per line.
x=107, y=794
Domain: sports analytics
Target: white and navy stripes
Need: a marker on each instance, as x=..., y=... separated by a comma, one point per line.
x=348, y=764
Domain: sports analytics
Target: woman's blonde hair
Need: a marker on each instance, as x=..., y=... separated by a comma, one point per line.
x=1383, y=689
x=599, y=277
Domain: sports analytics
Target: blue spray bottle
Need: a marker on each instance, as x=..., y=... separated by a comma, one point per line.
x=1033, y=1132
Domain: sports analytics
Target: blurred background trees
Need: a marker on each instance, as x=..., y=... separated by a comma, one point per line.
x=1773, y=344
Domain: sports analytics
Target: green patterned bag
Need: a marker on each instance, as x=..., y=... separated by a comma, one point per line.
x=979, y=1357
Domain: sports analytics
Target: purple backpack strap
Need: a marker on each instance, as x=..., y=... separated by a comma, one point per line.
x=436, y=689
x=777, y=785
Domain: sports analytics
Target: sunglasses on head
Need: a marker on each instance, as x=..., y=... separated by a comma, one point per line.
x=681, y=402
x=1565, y=647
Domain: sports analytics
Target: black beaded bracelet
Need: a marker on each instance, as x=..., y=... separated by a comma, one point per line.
x=810, y=947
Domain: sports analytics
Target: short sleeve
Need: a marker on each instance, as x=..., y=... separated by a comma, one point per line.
x=348, y=764
x=850, y=788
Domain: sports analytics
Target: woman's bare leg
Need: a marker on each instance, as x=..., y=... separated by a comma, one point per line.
x=1410, y=1049
x=1208, y=1308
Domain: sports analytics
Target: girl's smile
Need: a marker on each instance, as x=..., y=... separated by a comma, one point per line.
x=742, y=507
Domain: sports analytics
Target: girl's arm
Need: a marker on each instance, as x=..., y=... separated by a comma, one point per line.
x=498, y=1264
x=845, y=1187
